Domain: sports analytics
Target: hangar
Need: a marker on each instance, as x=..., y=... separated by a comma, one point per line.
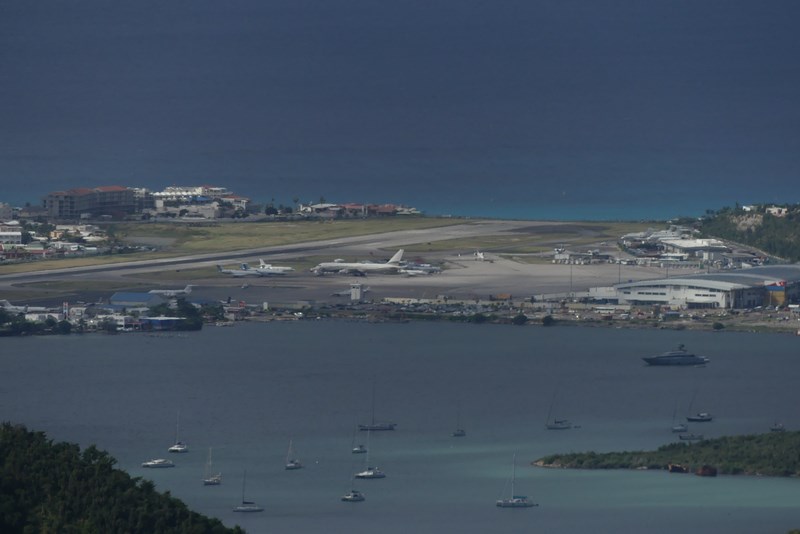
x=773, y=285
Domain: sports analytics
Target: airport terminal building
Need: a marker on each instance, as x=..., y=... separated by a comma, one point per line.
x=775, y=285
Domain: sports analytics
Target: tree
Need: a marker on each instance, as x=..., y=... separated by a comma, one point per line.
x=64, y=327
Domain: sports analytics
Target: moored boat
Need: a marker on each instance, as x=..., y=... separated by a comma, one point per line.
x=209, y=478
x=247, y=506
x=558, y=424
x=371, y=472
x=676, y=357
x=157, y=463
x=706, y=471
x=292, y=463
x=677, y=468
x=700, y=417
x=376, y=426
x=353, y=496
x=515, y=501
x=179, y=445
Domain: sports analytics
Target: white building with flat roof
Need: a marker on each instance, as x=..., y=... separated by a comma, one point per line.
x=746, y=288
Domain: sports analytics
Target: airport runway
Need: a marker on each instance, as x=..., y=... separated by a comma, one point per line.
x=464, y=277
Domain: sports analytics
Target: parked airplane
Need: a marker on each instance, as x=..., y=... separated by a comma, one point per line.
x=415, y=269
x=243, y=270
x=7, y=306
x=270, y=269
x=361, y=268
x=172, y=292
x=480, y=256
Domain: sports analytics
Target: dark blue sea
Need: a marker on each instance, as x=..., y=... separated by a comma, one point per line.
x=534, y=109
x=247, y=391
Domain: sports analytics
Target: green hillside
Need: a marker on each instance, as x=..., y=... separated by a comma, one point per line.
x=48, y=487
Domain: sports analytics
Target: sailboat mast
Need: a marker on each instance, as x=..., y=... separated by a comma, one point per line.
x=373, y=401
x=513, y=474
x=366, y=456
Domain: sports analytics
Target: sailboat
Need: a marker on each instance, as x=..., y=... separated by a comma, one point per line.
x=247, y=506
x=700, y=417
x=179, y=445
x=353, y=495
x=556, y=424
x=678, y=427
x=459, y=432
x=211, y=479
x=370, y=471
x=291, y=462
x=357, y=449
x=373, y=425
x=515, y=501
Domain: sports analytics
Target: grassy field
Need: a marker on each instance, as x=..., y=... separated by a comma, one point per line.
x=534, y=239
x=239, y=236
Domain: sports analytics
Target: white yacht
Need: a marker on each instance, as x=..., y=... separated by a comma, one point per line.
x=676, y=357
x=179, y=447
x=371, y=472
x=158, y=462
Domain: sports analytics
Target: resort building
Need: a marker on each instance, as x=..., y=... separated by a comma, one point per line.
x=112, y=200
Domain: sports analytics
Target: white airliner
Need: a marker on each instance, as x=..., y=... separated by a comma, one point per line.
x=361, y=268
x=172, y=292
x=270, y=269
x=243, y=270
x=7, y=306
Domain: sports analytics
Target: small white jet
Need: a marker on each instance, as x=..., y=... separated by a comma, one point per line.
x=172, y=292
x=361, y=268
x=269, y=269
x=11, y=308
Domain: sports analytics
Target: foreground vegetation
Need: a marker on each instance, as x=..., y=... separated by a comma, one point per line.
x=772, y=454
x=54, y=487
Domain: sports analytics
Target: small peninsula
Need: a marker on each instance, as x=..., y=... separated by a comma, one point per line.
x=771, y=454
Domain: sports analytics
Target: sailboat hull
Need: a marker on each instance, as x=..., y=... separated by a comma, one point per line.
x=516, y=502
x=246, y=508
x=377, y=427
